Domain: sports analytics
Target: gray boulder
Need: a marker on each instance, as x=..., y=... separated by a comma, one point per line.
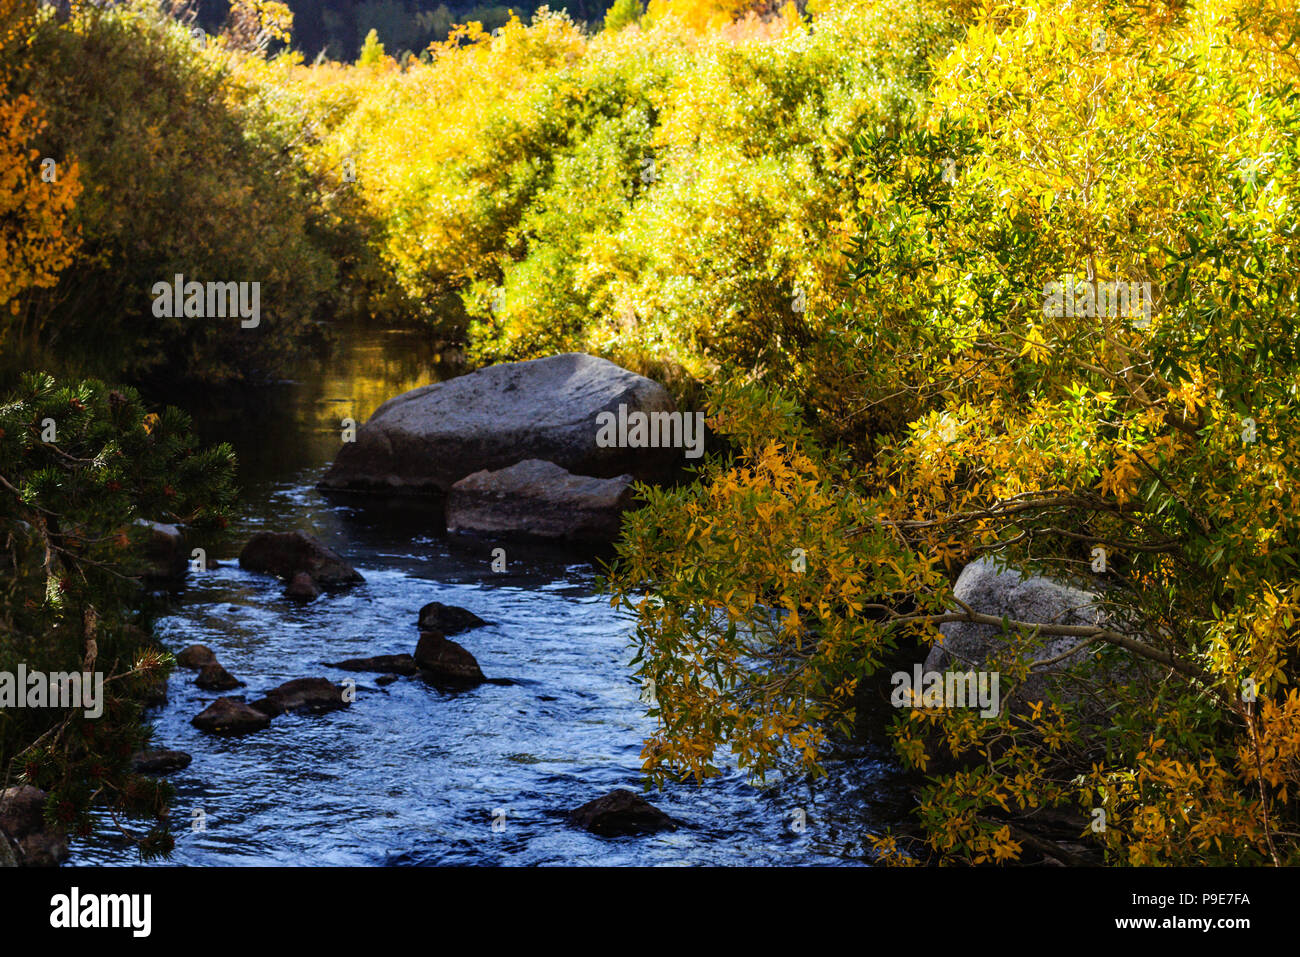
x=540, y=501
x=991, y=588
x=426, y=440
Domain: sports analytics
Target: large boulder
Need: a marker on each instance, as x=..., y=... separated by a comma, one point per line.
x=619, y=813
x=448, y=619
x=230, y=716
x=992, y=588
x=29, y=840
x=285, y=554
x=426, y=440
x=444, y=662
x=541, y=501
x=305, y=695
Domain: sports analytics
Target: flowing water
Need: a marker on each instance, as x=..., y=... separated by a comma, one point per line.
x=409, y=774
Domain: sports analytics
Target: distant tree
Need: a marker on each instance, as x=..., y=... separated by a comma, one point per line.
x=372, y=51
x=622, y=14
x=256, y=24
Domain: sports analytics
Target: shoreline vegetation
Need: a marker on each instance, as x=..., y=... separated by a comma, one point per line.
x=842, y=233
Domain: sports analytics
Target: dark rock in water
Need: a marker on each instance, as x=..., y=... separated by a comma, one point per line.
x=621, y=812
x=443, y=661
x=387, y=664
x=426, y=440
x=27, y=839
x=302, y=588
x=385, y=680
x=448, y=619
x=284, y=554
x=229, y=716
x=164, y=551
x=160, y=761
x=538, y=500
x=312, y=695
x=213, y=677
x=196, y=656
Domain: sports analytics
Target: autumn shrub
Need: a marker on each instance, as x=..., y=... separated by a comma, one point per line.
x=1081, y=143
x=183, y=172
x=670, y=196
x=35, y=196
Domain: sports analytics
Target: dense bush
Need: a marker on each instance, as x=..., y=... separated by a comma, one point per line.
x=1161, y=149
x=183, y=171
x=671, y=197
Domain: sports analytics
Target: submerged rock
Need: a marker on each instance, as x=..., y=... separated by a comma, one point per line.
x=159, y=761
x=285, y=554
x=29, y=840
x=302, y=588
x=426, y=440
x=196, y=657
x=385, y=664
x=311, y=695
x=539, y=500
x=620, y=813
x=213, y=677
x=448, y=619
x=443, y=661
x=230, y=716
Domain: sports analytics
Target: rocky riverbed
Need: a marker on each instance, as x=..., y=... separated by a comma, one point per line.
x=414, y=771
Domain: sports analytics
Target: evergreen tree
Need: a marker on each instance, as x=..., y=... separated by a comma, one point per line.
x=79, y=465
